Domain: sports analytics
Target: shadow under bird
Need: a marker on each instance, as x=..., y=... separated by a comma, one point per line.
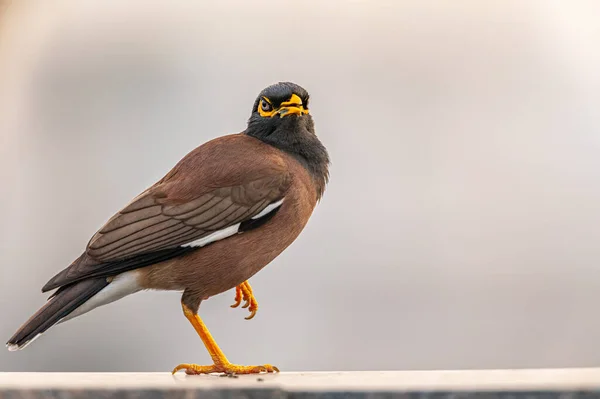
x=225, y=211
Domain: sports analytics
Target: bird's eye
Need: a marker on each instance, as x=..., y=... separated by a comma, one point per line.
x=265, y=106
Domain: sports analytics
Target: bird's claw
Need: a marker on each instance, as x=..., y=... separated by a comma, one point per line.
x=238, y=297
x=244, y=291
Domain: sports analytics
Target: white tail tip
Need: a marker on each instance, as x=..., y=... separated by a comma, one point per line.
x=12, y=347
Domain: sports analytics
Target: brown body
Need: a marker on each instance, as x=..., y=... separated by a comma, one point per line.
x=227, y=263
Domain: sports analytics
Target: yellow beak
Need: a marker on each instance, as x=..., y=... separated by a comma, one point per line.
x=293, y=106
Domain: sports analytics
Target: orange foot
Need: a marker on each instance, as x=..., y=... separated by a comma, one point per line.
x=245, y=291
x=220, y=362
x=227, y=368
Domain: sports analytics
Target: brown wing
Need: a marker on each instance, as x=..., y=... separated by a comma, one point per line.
x=154, y=222
x=220, y=184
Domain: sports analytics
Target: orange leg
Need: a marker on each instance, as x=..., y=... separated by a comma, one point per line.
x=245, y=291
x=221, y=364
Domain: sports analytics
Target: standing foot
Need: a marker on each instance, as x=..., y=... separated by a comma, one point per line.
x=193, y=369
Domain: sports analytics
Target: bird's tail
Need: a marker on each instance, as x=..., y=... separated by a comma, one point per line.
x=64, y=301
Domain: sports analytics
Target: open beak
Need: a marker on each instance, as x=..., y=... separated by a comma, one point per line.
x=293, y=106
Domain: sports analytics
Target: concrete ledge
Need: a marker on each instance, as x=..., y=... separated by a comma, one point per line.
x=526, y=384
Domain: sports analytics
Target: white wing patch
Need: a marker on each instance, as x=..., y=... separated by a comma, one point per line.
x=269, y=208
x=231, y=230
x=216, y=236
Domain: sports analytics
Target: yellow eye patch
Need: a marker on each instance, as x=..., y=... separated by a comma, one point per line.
x=265, y=108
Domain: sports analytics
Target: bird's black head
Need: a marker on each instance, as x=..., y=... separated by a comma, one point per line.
x=279, y=107
x=280, y=117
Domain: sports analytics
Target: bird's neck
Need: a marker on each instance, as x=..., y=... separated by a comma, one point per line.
x=314, y=158
x=304, y=146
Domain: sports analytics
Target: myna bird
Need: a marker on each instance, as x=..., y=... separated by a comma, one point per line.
x=225, y=211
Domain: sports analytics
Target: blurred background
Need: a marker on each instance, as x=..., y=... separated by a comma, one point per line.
x=461, y=226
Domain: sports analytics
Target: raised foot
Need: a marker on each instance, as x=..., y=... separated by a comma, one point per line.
x=193, y=369
x=244, y=291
